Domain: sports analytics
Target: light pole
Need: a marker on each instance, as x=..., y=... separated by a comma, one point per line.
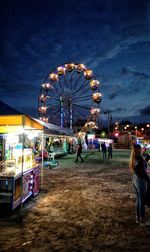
x=107, y=112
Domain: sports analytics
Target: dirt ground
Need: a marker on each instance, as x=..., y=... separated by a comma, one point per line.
x=84, y=207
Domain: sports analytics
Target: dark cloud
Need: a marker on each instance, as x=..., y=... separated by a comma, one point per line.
x=140, y=75
x=120, y=109
x=145, y=111
x=139, y=86
x=110, y=37
x=112, y=96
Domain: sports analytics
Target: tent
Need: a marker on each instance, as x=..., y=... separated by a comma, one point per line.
x=50, y=128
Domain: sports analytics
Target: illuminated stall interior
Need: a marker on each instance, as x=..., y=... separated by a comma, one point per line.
x=56, y=138
x=19, y=135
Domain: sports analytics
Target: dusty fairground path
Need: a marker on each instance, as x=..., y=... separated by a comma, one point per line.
x=82, y=207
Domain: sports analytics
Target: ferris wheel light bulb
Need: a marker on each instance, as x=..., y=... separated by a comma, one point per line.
x=61, y=70
x=94, y=84
x=80, y=68
x=70, y=67
x=53, y=77
x=88, y=74
x=47, y=86
x=97, y=97
x=91, y=124
x=44, y=119
x=42, y=109
x=95, y=111
x=83, y=66
x=42, y=98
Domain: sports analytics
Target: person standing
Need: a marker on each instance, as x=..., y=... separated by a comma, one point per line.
x=99, y=146
x=104, y=149
x=138, y=166
x=110, y=150
x=79, y=151
x=69, y=147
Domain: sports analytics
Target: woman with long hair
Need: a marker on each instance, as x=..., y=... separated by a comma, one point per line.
x=138, y=166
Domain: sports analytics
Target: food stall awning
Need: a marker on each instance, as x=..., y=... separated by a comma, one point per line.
x=12, y=123
x=50, y=128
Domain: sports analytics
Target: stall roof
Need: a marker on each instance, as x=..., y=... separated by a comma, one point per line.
x=16, y=123
x=11, y=119
x=50, y=128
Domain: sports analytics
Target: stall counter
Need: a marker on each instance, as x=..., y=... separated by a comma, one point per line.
x=14, y=190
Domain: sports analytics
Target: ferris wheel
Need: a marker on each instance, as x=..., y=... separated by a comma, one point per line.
x=69, y=92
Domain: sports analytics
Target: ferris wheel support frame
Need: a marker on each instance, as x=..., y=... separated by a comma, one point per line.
x=61, y=112
x=71, y=122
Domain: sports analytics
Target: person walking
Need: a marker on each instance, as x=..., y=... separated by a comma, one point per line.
x=138, y=166
x=79, y=151
x=110, y=150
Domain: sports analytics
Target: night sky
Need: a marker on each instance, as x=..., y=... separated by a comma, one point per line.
x=111, y=37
